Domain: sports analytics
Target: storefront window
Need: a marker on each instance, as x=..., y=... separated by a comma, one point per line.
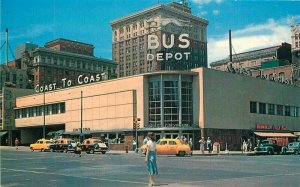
x=287, y=110
x=154, y=103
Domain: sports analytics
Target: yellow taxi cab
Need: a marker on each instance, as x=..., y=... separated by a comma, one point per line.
x=42, y=145
x=170, y=147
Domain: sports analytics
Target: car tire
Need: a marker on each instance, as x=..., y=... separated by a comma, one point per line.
x=31, y=149
x=270, y=152
x=51, y=150
x=65, y=151
x=91, y=151
x=296, y=152
x=181, y=153
x=42, y=150
x=103, y=152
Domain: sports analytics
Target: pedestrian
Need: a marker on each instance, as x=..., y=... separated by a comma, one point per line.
x=17, y=143
x=249, y=145
x=77, y=150
x=191, y=145
x=150, y=159
x=208, y=144
x=202, y=143
x=145, y=140
x=134, y=145
x=245, y=145
x=185, y=141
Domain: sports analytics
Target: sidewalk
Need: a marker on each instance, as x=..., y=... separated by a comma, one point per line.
x=119, y=152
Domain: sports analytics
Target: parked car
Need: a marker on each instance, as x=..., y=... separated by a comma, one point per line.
x=294, y=148
x=270, y=147
x=42, y=145
x=63, y=145
x=170, y=147
x=93, y=145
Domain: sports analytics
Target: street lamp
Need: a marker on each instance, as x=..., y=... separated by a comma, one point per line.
x=44, y=105
x=81, y=115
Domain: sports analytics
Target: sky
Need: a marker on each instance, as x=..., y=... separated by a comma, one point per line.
x=254, y=24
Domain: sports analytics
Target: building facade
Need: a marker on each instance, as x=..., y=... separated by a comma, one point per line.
x=202, y=102
x=63, y=58
x=252, y=60
x=149, y=40
x=12, y=76
x=20, y=49
x=295, y=30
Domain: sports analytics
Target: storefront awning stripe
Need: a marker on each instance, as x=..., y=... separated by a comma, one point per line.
x=268, y=134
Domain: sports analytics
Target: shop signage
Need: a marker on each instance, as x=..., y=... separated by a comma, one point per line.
x=153, y=44
x=83, y=129
x=270, y=127
x=81, y=79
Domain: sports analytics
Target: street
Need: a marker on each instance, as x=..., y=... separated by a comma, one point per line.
x=43, y=169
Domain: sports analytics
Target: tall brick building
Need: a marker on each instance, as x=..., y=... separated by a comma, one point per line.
x=63, y=58
x=130, y=40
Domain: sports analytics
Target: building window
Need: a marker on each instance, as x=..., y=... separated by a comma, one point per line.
x=253, y=107
x=187, y=102
x=262, y=108
x=271, y=109
x=280, y=110
x=294, y=111
x=55, y=109
x=171, y=103
x=154, y=103
x=287, y=110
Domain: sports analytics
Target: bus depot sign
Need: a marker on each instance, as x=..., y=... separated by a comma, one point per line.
x=65, y=83
x=183, y=43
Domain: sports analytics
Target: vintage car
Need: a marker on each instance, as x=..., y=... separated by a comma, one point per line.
x=63, y=145
x=294, y=148
x=42, y=145
x=93, y=145
x=270, y=147
x=170, y=147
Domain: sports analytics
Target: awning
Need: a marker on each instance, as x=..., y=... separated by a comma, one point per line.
x=2, y=133
x=269, y=134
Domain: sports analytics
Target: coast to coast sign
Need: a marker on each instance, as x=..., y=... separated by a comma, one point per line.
x=81, y=79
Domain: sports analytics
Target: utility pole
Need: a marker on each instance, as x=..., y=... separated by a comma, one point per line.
x=81, y=115
x=6, y=46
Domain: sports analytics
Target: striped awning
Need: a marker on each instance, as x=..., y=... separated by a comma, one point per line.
x=278, y=134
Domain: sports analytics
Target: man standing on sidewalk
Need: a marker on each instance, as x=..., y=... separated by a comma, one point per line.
x=17, y=143
x=202, y=143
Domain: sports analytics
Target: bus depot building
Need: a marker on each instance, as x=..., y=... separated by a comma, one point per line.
x=226, y=107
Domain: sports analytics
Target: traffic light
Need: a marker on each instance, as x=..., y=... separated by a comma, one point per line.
x=138, y=125
x=134, y=125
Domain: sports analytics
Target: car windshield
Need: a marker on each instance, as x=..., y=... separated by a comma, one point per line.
x=97, y=141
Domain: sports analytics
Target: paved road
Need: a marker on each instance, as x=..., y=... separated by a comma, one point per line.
x=43, y=169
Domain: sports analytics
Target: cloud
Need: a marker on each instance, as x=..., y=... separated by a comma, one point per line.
x=30, y=31
x=215, y=12
x=252, y=37
x=203, y=13
x=201, y=2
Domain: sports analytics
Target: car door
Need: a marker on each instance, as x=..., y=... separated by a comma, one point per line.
x=161, y=147
x=172, y=147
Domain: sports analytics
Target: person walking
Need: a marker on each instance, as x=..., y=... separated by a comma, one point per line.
x=202, y=143
x=77, y=150
x=208, y=144
x=150, y=159
x=17, y=144
x=191, y=145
